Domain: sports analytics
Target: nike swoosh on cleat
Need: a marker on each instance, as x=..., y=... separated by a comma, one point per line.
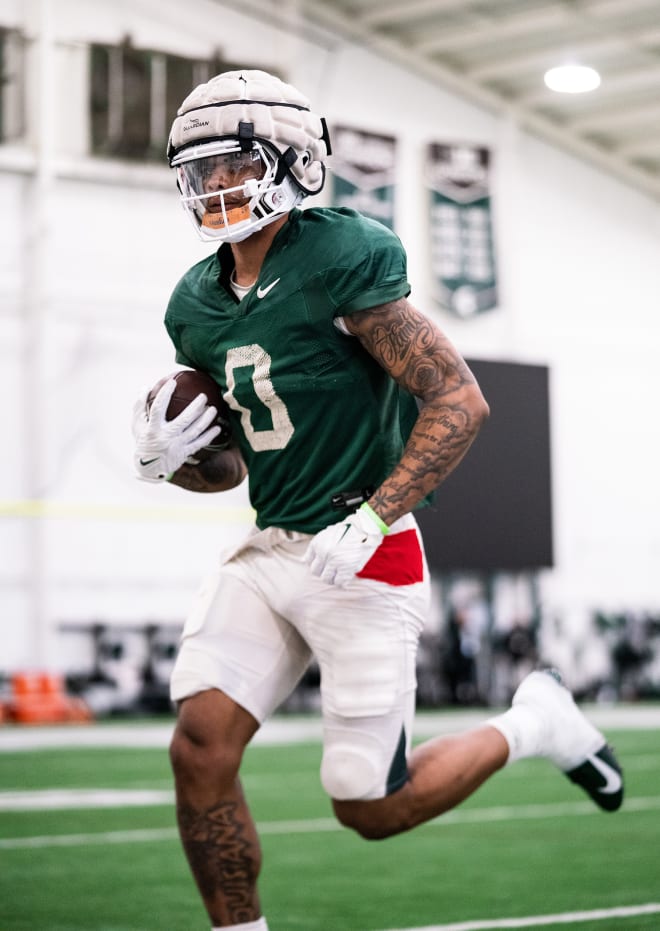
x=262, y=292
x=146, y=462
x=601, y=778
x=613, y=780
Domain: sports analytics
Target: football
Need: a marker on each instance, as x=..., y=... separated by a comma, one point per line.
x=190, y=383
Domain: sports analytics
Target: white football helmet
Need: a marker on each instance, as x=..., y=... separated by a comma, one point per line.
x=246, y=149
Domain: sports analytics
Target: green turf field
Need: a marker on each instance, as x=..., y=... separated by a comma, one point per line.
x=527, y=844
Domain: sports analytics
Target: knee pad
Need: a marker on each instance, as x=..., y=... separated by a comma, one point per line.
x=348, y=773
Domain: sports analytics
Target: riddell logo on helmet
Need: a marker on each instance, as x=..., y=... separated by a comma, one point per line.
x=195, y=124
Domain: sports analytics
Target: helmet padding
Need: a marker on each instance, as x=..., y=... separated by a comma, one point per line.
x=258, y=104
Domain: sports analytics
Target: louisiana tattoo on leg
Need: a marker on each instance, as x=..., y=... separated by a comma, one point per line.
x=224, y=857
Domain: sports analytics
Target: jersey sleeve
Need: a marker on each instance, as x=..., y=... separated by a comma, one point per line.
x=374, y=272
x=179, y=355
x=176, y=326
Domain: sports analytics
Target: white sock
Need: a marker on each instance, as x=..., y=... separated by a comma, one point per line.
x=258, y=925
x=522, y=730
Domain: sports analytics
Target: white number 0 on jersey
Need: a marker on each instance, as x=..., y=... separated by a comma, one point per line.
x=256, y=358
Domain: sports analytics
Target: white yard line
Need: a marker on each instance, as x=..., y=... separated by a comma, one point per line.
x=58, y=799
x=84, y=840
x=78, y=800
x=536, y=921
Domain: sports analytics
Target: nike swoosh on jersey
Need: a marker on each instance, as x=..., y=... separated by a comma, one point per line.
x=262, y=292
x=146, y=462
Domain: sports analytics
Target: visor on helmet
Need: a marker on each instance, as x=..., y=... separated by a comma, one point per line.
x=207, y=176
x=229, y=192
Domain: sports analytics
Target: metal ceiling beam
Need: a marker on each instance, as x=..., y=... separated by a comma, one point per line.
x=321, y=21
x=467, y=88
x=616, y=9
x=610, y=121
x=494, y=29
x=644, y=145
x=389, y=14
x=580, y=23
x=511, y=63
x=614, y=85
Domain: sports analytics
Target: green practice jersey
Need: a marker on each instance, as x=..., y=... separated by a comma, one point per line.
x=312, y=412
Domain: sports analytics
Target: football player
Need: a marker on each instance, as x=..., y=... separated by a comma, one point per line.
x=348, y=408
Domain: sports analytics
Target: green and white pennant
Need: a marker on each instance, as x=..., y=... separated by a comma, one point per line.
x=363, y=173
x=461, y=233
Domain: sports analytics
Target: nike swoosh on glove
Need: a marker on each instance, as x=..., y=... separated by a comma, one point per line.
x=338, y=552
x=161, y=445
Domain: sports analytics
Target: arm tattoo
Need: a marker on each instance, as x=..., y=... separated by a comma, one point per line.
x=224, y=857
x=412, y=349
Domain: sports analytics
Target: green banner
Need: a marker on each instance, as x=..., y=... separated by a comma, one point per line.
x=363, y=173
x=462, y=248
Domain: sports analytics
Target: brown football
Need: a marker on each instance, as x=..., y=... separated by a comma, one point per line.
x=190, y=383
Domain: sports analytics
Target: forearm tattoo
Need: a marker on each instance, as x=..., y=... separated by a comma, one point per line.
x=423, y=361
x=224, y=857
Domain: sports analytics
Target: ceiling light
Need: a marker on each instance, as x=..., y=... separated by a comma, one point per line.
x=572, y=79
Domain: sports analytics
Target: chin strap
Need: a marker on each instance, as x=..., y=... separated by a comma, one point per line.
x=284, y=162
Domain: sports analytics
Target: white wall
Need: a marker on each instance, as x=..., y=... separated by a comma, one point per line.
x=579, y=281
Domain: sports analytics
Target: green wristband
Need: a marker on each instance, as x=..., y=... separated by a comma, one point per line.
x=382, y=526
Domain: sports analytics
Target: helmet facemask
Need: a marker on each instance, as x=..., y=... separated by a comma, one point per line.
x=240, y=113
x=230, y=193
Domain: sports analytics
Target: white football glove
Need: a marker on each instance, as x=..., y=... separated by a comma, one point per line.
x=337, y=553
x=162, y=446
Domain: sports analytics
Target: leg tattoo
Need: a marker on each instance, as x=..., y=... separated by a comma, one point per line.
x=224, y=856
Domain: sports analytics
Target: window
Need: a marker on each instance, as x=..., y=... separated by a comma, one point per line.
x=12, y=104
x=134, y=96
